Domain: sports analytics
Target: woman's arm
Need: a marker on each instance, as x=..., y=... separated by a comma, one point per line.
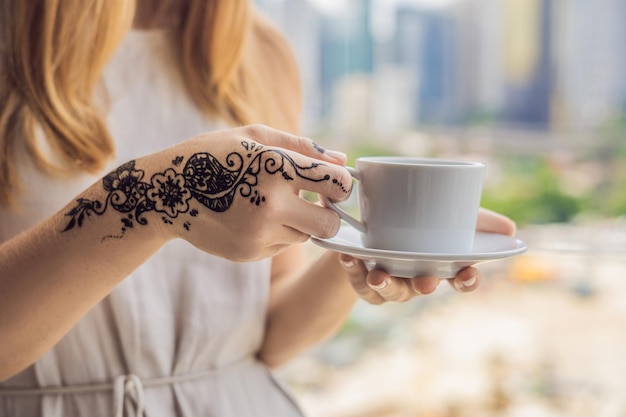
x=49, y=278
x=229, y=193
x=308, y=305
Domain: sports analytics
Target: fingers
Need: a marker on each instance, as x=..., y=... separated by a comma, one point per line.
x=331, y=181
x=389, y=288
x=304, y=173
x=357, y=272
x=377, y=287
x=303, y=161
x=305, y=146
x=311, y=219
x=466, y=280
x=492, y=222
x=425, y=285
x=392, y=289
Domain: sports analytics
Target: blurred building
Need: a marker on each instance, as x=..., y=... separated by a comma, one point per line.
x=347, y=47
x=592, y=52
x=529, y=63
x=480, y=76
x=538, y=64
x=425, y=43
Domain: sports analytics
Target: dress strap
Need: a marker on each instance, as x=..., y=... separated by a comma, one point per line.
x=128, y=390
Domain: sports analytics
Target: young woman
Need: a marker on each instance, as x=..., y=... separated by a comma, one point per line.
x=147, y=266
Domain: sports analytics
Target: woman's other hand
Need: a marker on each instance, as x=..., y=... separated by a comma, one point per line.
x=377, y=287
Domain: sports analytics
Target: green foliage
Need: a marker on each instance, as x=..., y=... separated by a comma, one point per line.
x=530, y=193
x=532, y=189
x=609, y=197
x=369, y=148
x=608, y=151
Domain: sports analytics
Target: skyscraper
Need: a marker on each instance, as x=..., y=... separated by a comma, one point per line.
x=529, y=64
x=592, y=52
x=480, y=60
x=347, y=47
x=425, y=42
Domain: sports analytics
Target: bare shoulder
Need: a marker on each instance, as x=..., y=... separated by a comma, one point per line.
x=275, y=58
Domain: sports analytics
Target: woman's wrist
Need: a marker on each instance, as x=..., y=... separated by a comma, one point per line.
x=122, y=204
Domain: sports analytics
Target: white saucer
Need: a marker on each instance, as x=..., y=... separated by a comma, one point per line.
x=487, y=247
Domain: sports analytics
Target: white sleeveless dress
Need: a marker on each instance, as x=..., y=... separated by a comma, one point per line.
x=178, y=336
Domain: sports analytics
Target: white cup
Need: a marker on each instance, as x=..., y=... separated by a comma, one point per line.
x=410, y=204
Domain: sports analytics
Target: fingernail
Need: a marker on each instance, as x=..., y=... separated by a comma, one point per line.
x=319, y=148
x=470, y=282
x=381, y=285
x=416, y=291
x=347, y=263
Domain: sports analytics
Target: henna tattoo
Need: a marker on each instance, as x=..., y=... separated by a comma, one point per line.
x=177, y=161
x=319, y=148
x=340, y=185
x=203, y=179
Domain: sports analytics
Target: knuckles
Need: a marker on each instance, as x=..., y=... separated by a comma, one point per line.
x=328, y=225
x=255, y=131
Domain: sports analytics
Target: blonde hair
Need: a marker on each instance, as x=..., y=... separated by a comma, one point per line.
x=53, y=53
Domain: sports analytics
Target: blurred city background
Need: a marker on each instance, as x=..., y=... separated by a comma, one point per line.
x=536, y=89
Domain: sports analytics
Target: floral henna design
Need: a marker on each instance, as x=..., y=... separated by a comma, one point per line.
x=168, y=193
x=203, y=179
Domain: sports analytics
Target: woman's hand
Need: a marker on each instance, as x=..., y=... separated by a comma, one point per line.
x=377, y=287
x=243, y=186
x=233, y=193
